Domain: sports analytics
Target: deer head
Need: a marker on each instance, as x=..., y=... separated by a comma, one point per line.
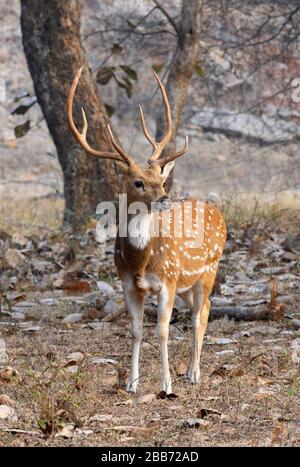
x=140, y=184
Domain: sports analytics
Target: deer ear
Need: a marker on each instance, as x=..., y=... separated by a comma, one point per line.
x=167, y=169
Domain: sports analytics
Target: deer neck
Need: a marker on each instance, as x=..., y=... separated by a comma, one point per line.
x=139, y=231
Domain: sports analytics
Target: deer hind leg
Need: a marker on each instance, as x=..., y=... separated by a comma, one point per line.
x=135, y=306
x=200, y=313
x=165, y=305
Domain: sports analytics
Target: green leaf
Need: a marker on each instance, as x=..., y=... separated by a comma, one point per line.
x=21, y=95
x=110, y=109
x=104, y=74
x=157, y=67
x=132, y=74
x=130, y=23
x=22, y=129
x=200, y=68
x=127, y=85
x=25, y=106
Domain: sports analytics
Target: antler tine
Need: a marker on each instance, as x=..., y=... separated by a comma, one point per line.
x=145, y=130
x=159, y=146
x=81, y=137
x=172, y=157
x=122, y=153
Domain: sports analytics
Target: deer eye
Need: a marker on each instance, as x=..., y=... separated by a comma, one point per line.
x=139, y=184
x=164, y=184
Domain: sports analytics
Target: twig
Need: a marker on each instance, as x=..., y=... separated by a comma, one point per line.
x=125, y=37
x=112, y=316
x=169, y=18
x=22, y=432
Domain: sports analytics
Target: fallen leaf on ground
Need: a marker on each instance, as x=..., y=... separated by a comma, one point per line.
x=6, y=400
x=146, y=399
x=6, y=412
x=220, y=341
x=103, y=418
x=182, y=367
x=8, y=373
x=228, y=370
x=280, y=433
x=14, y=258
x=164, y=395
x=67, y=432
x=195, y=423
x=264, y=393
x=264, y=381
x=74, y=358
x=103, y=361
x=204, y=412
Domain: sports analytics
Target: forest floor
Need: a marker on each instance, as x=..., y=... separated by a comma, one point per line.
x=63, y=369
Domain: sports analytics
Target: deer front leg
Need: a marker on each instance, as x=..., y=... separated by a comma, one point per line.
x=200, y=313
x=135, y=306
x=165, y=305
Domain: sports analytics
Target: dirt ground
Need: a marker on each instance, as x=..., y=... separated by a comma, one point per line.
x=253, y=392
x=250, y=386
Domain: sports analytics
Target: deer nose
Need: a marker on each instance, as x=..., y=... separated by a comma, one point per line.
x=163, y=203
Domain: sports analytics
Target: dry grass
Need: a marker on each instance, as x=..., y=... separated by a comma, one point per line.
x=257, y=392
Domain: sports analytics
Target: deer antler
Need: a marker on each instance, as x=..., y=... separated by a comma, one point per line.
x=81, y=137
x=158, y=147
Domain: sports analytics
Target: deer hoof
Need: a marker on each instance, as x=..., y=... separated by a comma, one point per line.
x=194, y=375
x=131, y=387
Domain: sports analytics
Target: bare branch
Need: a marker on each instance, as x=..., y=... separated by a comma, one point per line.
x=166, y=14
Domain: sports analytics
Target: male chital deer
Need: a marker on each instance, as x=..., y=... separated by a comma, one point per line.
x=161, y=264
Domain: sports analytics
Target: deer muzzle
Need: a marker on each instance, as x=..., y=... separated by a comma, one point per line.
x=163, y=204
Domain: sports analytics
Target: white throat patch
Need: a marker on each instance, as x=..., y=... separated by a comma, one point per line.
x=139, y=231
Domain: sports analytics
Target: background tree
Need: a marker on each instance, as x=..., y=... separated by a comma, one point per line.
x=52, y=44
x=54, y=52
x=182, y=65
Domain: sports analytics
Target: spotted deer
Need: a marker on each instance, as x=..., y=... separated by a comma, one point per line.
x=167, y=263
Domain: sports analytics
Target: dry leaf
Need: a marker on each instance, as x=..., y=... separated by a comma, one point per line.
x=103, y=418
x=67, y=432
x=74, y=358
x=164, y=395
x=146, y=399
x=127, y=402
x=14, y=257
x=6, y=400
x=182, y=367
x=236, y=372
x=263, y=393
x=204, y=412
x=6, y=412
x=195, y=423
x=228, y=370
x=136, y=431
x=8, y=373
x=77, y=288
x=264, y=381
x=280, y=433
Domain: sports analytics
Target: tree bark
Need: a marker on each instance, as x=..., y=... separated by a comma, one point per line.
x=52, y=45
x=181, y=68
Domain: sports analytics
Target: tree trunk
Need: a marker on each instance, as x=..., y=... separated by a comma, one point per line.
x=181, y=68
x=52, y=45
